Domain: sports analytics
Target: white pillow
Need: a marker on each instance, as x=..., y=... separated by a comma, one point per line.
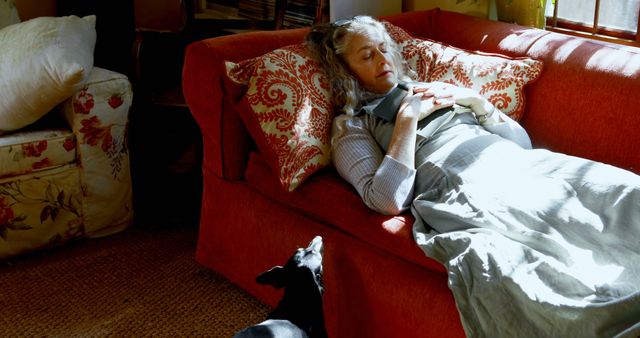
x=8, y=13
x=43, y=61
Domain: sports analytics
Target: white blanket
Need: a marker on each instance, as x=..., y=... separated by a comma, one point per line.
x=536, y=243
x=505, y=289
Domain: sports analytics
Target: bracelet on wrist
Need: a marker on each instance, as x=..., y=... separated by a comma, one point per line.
x=482, y=119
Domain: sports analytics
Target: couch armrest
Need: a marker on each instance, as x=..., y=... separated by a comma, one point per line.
x=225, y=140
x=98, y=115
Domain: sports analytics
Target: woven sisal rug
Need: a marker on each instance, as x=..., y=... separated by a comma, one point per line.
x=142, y=282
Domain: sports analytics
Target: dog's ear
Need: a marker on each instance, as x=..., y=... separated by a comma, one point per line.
x=275, y=277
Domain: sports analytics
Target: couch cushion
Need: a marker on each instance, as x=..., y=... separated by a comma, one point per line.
x=29, y=151
x=499, y=78
x=43, y=61
x=287, y=110
x=327, y=197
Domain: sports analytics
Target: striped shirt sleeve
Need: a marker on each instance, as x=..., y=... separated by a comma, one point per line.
x=384, y=184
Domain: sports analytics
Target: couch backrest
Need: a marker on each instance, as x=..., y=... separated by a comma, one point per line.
x=586, y=102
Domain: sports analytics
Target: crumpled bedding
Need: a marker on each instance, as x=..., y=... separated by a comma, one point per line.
x=503, y=288
x=550, y=247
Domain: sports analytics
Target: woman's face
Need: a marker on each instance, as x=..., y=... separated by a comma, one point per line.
x=369, y=60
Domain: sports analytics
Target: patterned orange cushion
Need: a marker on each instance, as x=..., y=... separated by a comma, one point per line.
x=287, y=110
x=500, y=79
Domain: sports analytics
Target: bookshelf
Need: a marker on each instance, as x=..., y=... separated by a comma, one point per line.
x=241, y=15
x=303, y=13
x=279, y=14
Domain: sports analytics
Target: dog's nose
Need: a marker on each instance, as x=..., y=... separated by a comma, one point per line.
x=316, y=244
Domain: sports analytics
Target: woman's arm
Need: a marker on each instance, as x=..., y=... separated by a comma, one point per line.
x=384, y=183
x=491, y=118
x=402, y=146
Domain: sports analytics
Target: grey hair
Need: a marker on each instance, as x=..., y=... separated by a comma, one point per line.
x=327, y=41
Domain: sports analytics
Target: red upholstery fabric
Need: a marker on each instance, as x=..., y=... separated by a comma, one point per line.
x=377, y=282
x=419, y=23
x=328, y=198
x=368, y=292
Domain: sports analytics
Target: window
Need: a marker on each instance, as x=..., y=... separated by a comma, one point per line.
x=612, y=20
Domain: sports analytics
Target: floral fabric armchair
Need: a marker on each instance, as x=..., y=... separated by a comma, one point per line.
x=64, y=163
x=59, y=183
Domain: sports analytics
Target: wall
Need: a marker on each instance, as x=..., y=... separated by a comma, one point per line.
x=114, y=26
x=28, y=9
x=479, y=8
x=339, y=9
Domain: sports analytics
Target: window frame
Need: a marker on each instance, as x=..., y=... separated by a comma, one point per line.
x=555, y=24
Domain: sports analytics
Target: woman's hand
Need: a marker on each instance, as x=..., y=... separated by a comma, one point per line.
x=420, y=103
x=447, y=94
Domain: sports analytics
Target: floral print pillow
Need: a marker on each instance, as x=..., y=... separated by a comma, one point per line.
x=500, y=79
x=287, y=110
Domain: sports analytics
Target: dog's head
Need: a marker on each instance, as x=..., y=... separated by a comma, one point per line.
x=301, y=278
x=303, y=268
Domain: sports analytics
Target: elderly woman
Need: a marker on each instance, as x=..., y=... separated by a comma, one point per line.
x=486, y=205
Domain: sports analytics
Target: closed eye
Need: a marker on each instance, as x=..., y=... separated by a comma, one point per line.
x=382, y=48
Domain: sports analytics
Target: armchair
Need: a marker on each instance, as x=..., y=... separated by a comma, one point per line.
x=66, y=175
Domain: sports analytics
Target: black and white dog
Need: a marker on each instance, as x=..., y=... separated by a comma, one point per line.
x=299, y=312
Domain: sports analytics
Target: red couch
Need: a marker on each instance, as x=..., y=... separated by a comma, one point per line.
x=378, y=283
